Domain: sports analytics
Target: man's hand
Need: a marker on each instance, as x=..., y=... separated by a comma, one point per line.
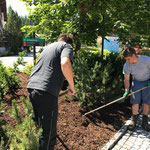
x=125, y=95
x=148, y=85
x=71, y=90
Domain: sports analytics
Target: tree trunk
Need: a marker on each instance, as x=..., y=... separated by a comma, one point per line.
x=102, y=47
x=78, y=45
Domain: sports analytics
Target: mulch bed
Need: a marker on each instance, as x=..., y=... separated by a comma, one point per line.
x=78, y=132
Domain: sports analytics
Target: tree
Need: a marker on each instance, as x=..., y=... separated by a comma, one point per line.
x=25, y=21
x=12, y=31
x=88, y=19
x=133, y=21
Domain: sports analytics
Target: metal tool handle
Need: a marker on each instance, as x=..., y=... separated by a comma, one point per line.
x=114, y=101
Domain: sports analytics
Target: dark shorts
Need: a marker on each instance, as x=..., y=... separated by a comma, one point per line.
x=141, y=96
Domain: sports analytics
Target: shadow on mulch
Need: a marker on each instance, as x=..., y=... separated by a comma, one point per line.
x=111, y=114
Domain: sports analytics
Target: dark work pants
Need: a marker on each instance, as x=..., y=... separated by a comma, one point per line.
x=45, y=106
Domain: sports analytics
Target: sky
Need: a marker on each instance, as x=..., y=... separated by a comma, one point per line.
x=18, y=6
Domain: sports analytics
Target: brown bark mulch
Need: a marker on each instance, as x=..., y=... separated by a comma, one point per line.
x=78, y=132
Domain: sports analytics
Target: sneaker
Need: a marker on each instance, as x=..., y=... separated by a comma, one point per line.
x=133, y=122
x=145, y=124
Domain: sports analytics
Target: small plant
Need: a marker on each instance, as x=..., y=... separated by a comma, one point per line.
x=2, y=146
x=20, y=61
x=3, y=136
x=25, y=134
x=28, y=69
x=12, y=80
x=8, y=80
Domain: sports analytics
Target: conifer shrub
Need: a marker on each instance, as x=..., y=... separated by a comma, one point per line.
x=20, y=61
x=145, y=52
x=98, y=80
x=24, y=135
x=28, y=69
x=3, y=136
x=8, y=80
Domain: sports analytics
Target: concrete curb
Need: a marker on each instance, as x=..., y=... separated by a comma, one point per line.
x=116, y=137
x=119, y=134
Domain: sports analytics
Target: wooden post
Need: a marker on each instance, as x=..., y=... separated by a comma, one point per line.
x=34, y=50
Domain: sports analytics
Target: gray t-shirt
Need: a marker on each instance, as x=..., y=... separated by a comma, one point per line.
x=47, y=74
x=140, y=70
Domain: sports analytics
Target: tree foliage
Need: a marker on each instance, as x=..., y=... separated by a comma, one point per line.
x=88, y=19
x=133, y=21
x=25, y=21
x=12, y=31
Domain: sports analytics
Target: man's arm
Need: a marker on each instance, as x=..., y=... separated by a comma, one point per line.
x=127, y=82
x=66, y=67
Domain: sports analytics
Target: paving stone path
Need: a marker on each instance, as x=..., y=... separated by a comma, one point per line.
x=138, y=139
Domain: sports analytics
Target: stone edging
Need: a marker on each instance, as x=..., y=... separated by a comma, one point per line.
x=119, y=134
x=116, y=137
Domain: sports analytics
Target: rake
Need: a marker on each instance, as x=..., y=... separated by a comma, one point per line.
x=117, y=100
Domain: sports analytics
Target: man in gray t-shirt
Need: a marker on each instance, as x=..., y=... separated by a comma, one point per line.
x=45, y=83
x=139, y=67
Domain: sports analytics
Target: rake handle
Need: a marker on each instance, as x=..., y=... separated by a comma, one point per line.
x=114, y=101
x=63, y=93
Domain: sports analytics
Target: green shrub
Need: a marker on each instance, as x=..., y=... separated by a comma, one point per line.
x=81, y=76
x=3, y=136
x=2, y=146
x=24, y=136
x=145, y=52
x=8, y=80
x=98, y=80
x=28, y=69
x=94, y=50
x=12, y=80
x=20, y=61
x=3, y=54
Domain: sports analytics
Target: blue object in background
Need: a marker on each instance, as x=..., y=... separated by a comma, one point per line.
x=112, y=44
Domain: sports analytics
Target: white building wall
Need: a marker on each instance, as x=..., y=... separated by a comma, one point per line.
x=1, y=24
x=2, y=19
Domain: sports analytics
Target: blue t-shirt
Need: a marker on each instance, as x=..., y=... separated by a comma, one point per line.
x=47, y=74
x=140, y=70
